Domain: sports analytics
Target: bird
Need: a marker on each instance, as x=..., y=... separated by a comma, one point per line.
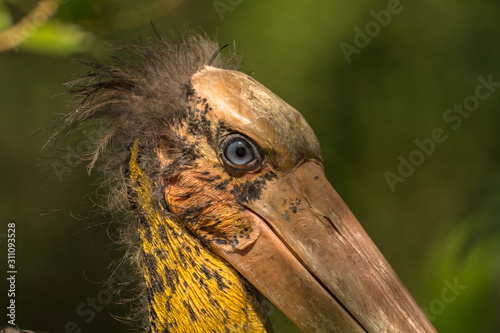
x=222, y=195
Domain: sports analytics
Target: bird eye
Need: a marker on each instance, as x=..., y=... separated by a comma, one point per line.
x=240, y=153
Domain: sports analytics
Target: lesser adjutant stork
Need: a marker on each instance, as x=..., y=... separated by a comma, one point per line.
x=225, y=185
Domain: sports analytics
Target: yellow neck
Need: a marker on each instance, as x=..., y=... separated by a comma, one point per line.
x=190, y=289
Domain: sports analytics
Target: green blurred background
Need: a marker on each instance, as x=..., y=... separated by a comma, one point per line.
x=439, y=227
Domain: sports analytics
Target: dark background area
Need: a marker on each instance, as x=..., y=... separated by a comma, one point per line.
x=439, y=227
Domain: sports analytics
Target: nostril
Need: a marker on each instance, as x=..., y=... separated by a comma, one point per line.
x=334, y=226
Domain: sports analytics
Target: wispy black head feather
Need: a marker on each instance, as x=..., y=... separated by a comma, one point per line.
x=141, y=100
x=140, y=96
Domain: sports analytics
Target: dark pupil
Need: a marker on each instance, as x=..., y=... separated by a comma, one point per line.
x=241, y=151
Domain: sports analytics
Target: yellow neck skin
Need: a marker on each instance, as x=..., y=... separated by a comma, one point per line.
x=190, y=289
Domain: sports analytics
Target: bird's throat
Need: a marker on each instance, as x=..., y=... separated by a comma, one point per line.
x=189, y=288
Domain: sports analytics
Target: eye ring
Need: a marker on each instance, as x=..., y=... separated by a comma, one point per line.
x=240, y=153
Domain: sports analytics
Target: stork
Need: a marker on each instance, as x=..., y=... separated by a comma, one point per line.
x=225, y=190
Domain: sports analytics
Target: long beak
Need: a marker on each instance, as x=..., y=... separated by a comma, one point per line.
x=314, y=261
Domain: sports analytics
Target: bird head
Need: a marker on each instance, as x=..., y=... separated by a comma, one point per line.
x=226, y=184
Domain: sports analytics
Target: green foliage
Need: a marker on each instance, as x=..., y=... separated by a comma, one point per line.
x=58, y=38
x=5, y=17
